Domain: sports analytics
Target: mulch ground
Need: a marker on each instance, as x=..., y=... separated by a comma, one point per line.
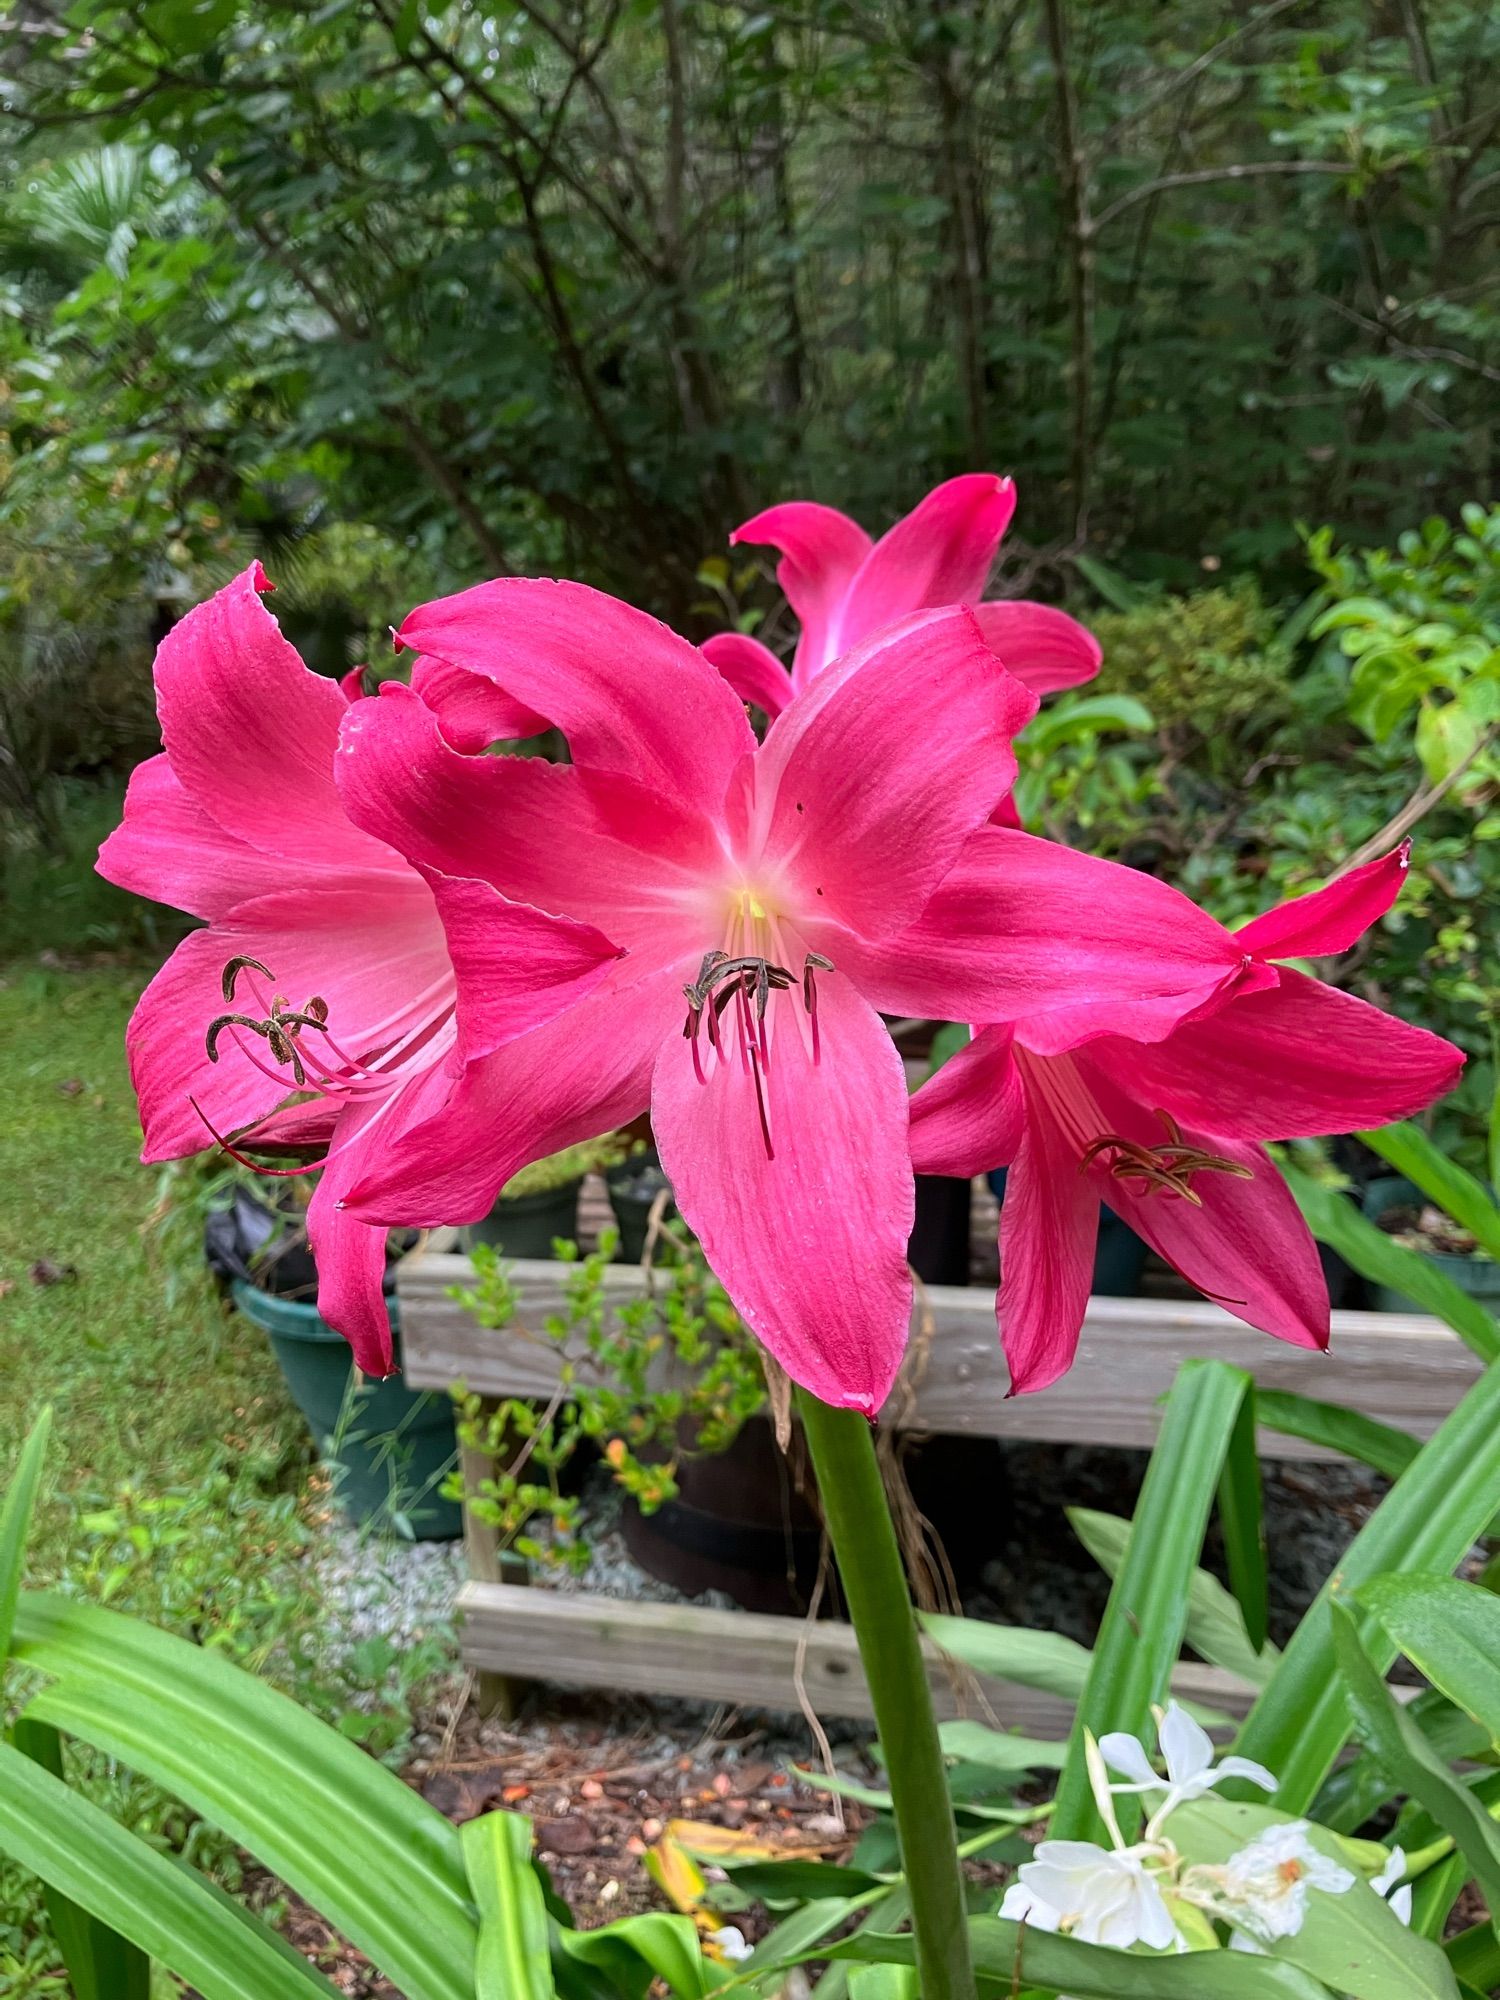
x=601, y=1789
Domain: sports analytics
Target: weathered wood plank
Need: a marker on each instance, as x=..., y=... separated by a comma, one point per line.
x=1404, y=1369
x=744, y=1657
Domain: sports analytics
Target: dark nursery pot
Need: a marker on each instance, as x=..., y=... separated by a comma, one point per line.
x=525, y=1225
x=938, y=1248
x=634, y=1187
x=1476, y=1274
x=739, y=1525
x=1119, y=1254
x=318, y=1366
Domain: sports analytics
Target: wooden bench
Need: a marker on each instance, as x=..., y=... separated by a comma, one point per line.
x=1404, y=1369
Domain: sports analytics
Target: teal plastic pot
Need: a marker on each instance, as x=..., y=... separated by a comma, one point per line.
x=393, y=1445
x=525, y=1225
x=1477, y=1274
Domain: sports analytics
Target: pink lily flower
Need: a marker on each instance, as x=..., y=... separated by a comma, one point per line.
x=844, y=588
x=773, y=899
x=1167, y=1129
x=319, y=1005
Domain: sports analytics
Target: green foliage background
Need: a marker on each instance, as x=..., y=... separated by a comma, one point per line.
x=578, y=284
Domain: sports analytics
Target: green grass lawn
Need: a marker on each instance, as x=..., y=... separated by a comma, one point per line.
x=181, y=1484
x=152, y=1384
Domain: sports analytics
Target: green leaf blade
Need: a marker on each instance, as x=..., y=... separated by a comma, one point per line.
x=1409, y=1757
x=512, y=1959
x=166, y=1911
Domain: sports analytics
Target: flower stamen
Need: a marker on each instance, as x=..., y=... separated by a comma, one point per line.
x=1167, y=1169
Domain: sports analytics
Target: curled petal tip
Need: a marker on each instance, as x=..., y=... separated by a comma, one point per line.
x=258, y=578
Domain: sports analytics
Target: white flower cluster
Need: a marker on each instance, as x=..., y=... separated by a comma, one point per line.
x=1118, y=1895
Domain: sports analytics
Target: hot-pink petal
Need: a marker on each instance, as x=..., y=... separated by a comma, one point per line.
x=821, y=551
x=751, y=669
x=1331, y=919
x=586, y=844
x=1298, y=1061
x=870, y=836
x=1244, y=1245
x=628, y=694
x=350, y=1254
x=473, y=710
x=971, y=1116
x=1049, y=1225
x=251, y=732
x=1024, y=930
x=515, y=967
x=579, y=1076
x=169, y=1066
x=166, y=847
x=820, y=1279
x=370, y=947
x=940, y=553
x=1044, y=648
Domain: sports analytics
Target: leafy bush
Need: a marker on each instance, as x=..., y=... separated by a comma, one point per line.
x=1213, y=669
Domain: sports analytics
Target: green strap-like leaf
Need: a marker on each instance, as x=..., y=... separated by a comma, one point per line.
x=1451, y=1631
x=653, y=1945
x=1428, y=1521
x=1009, y=1955
x=1334, y=1220
x=513, y=1960
x=1406, y=1753
x=101, y=1964
x=1215, y=1622
x=165, y=1911
x=329, y=1821
x=1409, y=1150
x=1333, y=1428
x=1046, y=1660
x=15, y=1524
x=1242, y=1519
x=1142, y=1631
x=972, y=1742
x=1475, y=1956
x=883, y=1982
x=1357, y=1789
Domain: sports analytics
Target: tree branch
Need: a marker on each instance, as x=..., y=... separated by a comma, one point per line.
x=1202, y=176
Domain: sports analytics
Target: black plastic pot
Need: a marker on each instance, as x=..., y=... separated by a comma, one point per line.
x=1475, y=1274
x=525, y=1225
x=635, y=1186
x=393, y=1444
x=938, y=1249
x=746, y=1522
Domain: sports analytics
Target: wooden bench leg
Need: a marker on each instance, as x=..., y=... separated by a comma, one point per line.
x=494, y=1694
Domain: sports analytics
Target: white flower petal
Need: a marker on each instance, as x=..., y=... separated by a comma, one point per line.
x=1391, y=1874
x=1243, y=1767
x=1127, y=1755
x=1155, y=1925
x=1186, y=1745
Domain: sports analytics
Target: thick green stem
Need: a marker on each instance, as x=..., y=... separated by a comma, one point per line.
x=869, y=1560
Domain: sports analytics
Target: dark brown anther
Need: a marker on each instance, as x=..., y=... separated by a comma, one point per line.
x=217, y=1026
x=233, y=970
x=1167, y=1169
x=813, y=963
